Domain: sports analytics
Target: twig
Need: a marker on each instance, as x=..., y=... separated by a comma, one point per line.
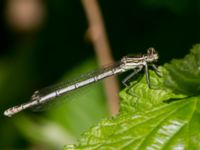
x=102, y=49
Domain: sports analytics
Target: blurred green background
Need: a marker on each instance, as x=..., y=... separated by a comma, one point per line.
x=51, y=46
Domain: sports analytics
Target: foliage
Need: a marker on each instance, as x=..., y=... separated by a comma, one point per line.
x=184, y=74
x=157, y=118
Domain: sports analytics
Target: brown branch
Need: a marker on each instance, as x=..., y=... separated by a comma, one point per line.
x=101, y=45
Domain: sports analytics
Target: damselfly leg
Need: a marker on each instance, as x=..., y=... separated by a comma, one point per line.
x=124, y=81
x=137, y=70
x=147, y=75
x=156, y=70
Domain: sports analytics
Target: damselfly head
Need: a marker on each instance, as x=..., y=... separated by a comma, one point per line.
x=152, y=55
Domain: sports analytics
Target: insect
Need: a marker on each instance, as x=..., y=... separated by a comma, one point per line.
x=135, y=63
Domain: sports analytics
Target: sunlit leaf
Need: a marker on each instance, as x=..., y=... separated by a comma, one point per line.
x=157, y=118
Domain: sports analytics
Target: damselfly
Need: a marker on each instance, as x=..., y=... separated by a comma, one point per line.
x=135, y=63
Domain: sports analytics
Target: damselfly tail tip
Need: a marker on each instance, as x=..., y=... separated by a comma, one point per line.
x=7, y=113
x=11, y=111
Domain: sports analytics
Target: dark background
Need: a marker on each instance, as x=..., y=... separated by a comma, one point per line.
x=31, y=59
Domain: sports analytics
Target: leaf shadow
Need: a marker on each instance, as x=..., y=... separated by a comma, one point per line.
x=170, y=100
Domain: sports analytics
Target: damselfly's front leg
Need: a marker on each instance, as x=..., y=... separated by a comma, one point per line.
x=147, y=75
x=156, y=70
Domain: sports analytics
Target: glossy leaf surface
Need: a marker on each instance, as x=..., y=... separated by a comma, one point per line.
x=153, y=119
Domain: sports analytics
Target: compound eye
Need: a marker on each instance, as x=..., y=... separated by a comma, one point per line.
x=151, y=51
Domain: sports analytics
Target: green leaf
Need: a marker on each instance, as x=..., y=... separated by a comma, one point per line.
x=184, y=74
x=157, y=118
